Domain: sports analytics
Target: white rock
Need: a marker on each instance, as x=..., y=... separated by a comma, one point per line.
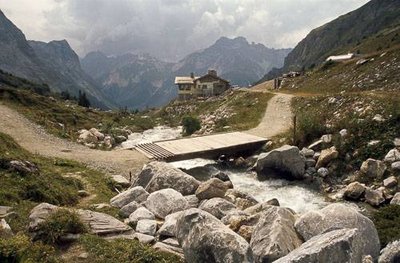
x=344, y=133
x=140, y=214
x=396, y=199
x=396, y=166
x=392, y=156
x=147, y=227
x=323, y=172
x=165, y=202
x=137, y=194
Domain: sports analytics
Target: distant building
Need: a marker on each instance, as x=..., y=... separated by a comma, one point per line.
x=340, y=57
x=201, y=87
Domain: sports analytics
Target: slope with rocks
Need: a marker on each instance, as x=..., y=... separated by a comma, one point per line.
x=54, y=63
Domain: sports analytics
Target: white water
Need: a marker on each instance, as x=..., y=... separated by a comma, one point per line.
x=292, y=194
x=158, y=133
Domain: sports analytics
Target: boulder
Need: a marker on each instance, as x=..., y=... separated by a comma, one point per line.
x=95, y=132
x=121, y=180
x=373, y=169
x=236, y=218
x=374, y=197
x=128, y=209
x=165, y=202
x=39, y=214
x=343, y=133
x=310, y=162
x=147, y=227
x=323, y=172
x=5, y=211
x=140, y=214
x=274, y=235
x=240, y=199
x=210, y=189
x=354, y=191
x=24, y=167
x=159, y=175
x=395, y=199
x=137, y=194
x=262, y=207
x=395, y=166
x=161, y=246
x=391, y=253
x=144, y=239
x=192, y=200
x=339, y=216
x=390, y=182
x=218, y=207
x=246, y=232
x=326, y=157
x=286, y=159
x=168, y=228
x=5, y=230
x=334, y=246
x=392, y=156
x=307, y=153
x=205, y=239
x=221, y=176
x=87, y=137
x=109, y=141
x=102, y=224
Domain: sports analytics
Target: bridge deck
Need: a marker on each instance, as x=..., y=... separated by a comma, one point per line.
x=202, y=146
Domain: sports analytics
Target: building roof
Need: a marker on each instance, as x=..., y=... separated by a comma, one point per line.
x=185, y=80
x=340, y=57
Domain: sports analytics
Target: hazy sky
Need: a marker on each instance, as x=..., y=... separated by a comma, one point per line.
x=170, y=29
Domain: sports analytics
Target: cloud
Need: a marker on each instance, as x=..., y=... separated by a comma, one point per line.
x=170, y=29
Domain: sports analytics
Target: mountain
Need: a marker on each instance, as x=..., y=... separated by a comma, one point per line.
x=53, y=63
x=235, y=59
x=342, y=33
x=133, y=81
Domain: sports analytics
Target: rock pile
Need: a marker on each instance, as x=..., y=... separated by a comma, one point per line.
x=93, y=138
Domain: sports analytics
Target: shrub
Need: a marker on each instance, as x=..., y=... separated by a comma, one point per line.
x=190, y=125
x=58, y=224
x=387, y=222
x=20, y=248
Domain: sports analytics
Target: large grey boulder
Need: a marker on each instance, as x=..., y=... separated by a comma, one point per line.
x=241, y=199
x=39, y=214
x=159, y=175
x=147, y=227
x=374, y=197
x=339, y=216
x=286, y=159
x=373, y=169
x=336, y=246
x=139, y=214
x=137, y=194
x=165, y=202
x=192, y=200
x=211, y=188
x=205, y=239
x=128, y=209
x=391, y=253
x=274, y=235
x=218, y=207
x=102, y=224
x=262, y=207
x=169, y=227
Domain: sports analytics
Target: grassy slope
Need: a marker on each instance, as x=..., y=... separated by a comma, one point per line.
x=58, y=183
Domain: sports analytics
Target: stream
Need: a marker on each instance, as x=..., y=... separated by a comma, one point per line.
x=293, y=194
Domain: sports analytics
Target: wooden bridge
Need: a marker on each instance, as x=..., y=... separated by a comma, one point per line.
x=209, y=146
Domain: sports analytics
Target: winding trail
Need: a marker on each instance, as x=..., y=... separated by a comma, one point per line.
x=277, y=118
x=35, y=139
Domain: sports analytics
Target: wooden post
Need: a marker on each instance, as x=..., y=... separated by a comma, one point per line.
x=294, y=128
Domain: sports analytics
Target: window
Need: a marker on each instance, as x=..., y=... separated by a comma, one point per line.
x=204, y=87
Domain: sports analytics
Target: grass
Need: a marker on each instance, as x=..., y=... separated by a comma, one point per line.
x=387, y=222
x=248, y=109
x=123, y=251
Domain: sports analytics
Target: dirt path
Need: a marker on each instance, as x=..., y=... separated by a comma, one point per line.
x=33, y=138
x=277, y=118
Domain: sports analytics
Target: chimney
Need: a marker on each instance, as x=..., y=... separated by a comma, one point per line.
x=192, y=75
x=212, y=72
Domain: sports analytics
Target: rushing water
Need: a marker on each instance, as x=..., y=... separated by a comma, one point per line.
x=158, y=133
x=293, y=194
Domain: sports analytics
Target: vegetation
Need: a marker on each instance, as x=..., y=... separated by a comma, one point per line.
x=387, y=222
x=58, y=224
x=190, y=125
x=83, y=100
x=123, y=251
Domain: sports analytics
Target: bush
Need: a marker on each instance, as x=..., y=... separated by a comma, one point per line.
x=20, y=248
x=190, y=125
x=58, y=224
x=387, y=222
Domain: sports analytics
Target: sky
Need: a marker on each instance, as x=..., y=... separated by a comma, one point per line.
x=170, y=29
